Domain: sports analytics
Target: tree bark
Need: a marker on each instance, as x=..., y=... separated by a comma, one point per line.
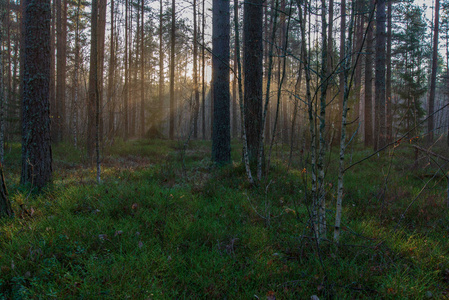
x=196, y=93
x=389, y=99
x=172, y=73
x=221, y=138
x=380, y=126
x=36, y=141
x=111, y=79
x=368, y=110
x=59, y=120
x=161, y=104
x=93, y=83
x=433, y=78
x=142, y=72
x=203, y=70
x=102, y=4
x=252, y=67
x=5, y=204
x=126, y=87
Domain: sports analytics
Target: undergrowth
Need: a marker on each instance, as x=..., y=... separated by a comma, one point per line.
x=165, y=224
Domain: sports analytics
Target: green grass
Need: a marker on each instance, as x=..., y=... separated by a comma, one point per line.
x=166, y=224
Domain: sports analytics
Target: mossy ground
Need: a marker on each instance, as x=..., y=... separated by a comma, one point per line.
x=167, y=224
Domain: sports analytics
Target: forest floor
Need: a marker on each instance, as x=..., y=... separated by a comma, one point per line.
x=164, y=224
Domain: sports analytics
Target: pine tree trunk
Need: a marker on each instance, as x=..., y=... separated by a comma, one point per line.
x=126, y=87
x=368, y=111
x=433, y=78
x=111, y=79
x=2, y=98
x=52, y=91
x=142, y=72
x=5, y=204
x=61, y=70
x=76, y=77
x=102, y=4
x=380, y=126
x=221, y=137
x=93, y=84
x=196, y=103
x=252, y=66
x=389, y=99
x=172, y=73
x=36, y=141
x=160, y=106
x=203, y=69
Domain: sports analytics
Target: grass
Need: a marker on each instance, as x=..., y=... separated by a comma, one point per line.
x=165, y=224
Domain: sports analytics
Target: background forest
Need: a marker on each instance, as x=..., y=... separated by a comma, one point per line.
x=265, y=149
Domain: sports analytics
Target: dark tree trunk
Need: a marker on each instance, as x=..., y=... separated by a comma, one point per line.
x=142, y=73
x=36, y=141
x=160, y=105
x=171, y=133
x=101, y=37
x=433, y=78
x=234, y=94
x=61, y=70
x=252, y=68
x=110, y=96
x=126, y=87
x=380, y=126
x=52, y=91
x=368, y=111
x=5, y=204
x=2, y=98
x=389, y=99
x=196, y=93
x=221, y=138
x=342, y=66
x=203, y=68
x=93, y=83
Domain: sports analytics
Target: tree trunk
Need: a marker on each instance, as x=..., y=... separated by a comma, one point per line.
x=2, y=98
x=52, y=91
x=76, y=76
x=342, y=66
x=5, y=204
x=161, y=103
x=196, y=93
x=433, y=78
x=61, y=70
x=36, y=141
x=111, y=81
x=221, y=138
x=346, y=65
x=102, y=4
x=380, y=128
x=240, y=88
x=267, y=93
x=172, y=73
x=252, y=66
x=320, y=200
x=203, y=67
x=389, y=99
x=93, y=84
x=368, y=110
x=142, y=73
x=126, y=87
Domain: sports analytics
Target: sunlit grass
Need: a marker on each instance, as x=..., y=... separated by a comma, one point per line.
x=165, y=223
